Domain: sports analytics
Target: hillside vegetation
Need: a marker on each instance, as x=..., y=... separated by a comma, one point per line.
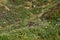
x=29, y=19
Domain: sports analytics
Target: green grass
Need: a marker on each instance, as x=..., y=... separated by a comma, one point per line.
x=22, y=23
x=33, y=33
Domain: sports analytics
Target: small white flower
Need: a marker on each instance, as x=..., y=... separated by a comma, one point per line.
x=4, y=22
x=49, y=22
x=56, y=24
x=34, y=5
x=46, y=27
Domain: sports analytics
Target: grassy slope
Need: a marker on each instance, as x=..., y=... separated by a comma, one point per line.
x=16, y=24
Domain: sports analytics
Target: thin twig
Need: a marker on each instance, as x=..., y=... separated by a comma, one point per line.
x=46, y=10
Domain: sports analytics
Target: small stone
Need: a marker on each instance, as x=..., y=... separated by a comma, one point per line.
x=27, y=7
